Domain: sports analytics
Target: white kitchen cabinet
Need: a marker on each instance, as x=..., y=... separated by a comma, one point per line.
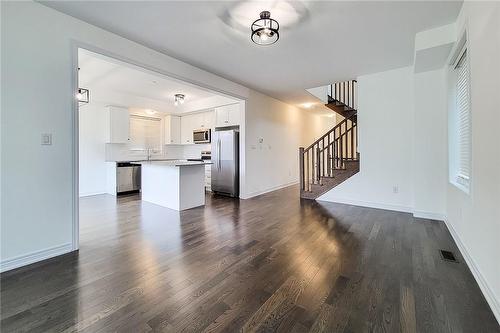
x=202, y=120
x=208, y=119
x=188, y=123
x=118, y=124
x=227, y=115
x=195, y=121
x=208, y=177
x=172, y=129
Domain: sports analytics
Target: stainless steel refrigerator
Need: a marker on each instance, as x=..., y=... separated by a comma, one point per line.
x=225, y=162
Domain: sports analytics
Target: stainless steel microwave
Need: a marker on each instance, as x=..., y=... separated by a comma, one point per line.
x=201, y=136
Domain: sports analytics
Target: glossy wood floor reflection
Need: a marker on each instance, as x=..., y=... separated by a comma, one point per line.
x=268, y=264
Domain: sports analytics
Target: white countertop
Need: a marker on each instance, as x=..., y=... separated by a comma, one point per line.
x=174, y=163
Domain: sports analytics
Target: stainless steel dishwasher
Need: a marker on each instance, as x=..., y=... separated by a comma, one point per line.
x=128, y=177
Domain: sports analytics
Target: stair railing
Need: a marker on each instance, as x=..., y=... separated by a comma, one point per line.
x=344, y=92
x=330, y=152
x=337, y=146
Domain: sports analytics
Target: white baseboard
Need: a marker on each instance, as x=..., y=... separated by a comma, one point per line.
x=428, y=215
x=274, y=188
x=370, y=204
x=30, y=258
x=88, y=194
x=483, y=285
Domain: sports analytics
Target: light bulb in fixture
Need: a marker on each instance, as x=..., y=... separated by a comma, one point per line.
x=178, y=99
x=265, y=29
x=79, y=96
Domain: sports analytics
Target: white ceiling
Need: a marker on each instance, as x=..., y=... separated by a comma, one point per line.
x=113, y=82
x=331, y=41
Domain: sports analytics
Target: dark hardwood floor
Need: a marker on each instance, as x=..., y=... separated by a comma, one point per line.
x=267, y=264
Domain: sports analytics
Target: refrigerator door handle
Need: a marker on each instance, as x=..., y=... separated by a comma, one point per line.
x=219, y=161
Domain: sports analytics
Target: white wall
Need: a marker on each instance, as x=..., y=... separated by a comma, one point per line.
x=39, y=71
x=430, y=148
x=385, y=120
x=38, y=55
x=283, y=128
x=474, y=219
x=92, y=138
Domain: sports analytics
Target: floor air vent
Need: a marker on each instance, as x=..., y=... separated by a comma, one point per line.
x=448, y=256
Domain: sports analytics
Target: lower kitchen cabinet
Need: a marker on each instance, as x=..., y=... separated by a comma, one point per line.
x=208, y=177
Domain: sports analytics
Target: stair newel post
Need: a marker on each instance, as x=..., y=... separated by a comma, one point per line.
x=301, y=168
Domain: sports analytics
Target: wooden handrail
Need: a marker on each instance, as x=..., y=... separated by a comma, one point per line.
x=344, y=121
x=335, y=147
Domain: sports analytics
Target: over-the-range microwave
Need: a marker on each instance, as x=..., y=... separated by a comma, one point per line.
x=201, y=135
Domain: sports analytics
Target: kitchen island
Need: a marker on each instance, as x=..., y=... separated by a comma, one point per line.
x=174, y=184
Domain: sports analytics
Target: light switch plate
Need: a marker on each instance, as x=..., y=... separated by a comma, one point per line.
x=46, y=139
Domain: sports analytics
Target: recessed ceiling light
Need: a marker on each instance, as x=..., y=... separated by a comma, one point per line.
x=308, y=105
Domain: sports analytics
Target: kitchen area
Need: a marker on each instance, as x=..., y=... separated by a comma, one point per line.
x=164, y=141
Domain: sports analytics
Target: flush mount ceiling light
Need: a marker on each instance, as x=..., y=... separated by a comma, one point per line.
x=265, y=29
x=83, y=95
x=179, y=99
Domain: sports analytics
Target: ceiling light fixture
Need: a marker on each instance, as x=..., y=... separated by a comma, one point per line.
x=83, y=95
x=265, y=29
x=179, y=99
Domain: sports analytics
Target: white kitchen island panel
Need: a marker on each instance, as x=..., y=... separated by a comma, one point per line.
x=175, y=185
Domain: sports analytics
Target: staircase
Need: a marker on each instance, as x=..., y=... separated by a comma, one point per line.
x=333, y=158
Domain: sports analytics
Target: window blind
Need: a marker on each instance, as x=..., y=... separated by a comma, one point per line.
x=145, y=133
x=463, y=117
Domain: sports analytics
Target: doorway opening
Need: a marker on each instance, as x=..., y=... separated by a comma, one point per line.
x=128, y=115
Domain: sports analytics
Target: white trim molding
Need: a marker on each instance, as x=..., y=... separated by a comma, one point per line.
x=429, y=215
x=274, y=188
x=30, y=258
x=478, y=276
x=370, y=204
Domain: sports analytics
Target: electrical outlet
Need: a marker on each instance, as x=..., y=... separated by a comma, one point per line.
x=46, y=139
x=395, y=189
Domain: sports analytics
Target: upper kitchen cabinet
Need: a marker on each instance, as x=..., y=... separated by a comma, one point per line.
x=227, y=115
x=118, y=124
x=202, y=120
x=172, y=130
x=208, y=119
x=188, y=123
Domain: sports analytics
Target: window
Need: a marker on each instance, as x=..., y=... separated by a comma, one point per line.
x=145, y=133
x=460, y=165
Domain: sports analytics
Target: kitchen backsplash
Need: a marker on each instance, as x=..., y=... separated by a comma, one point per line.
x=122, y=152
